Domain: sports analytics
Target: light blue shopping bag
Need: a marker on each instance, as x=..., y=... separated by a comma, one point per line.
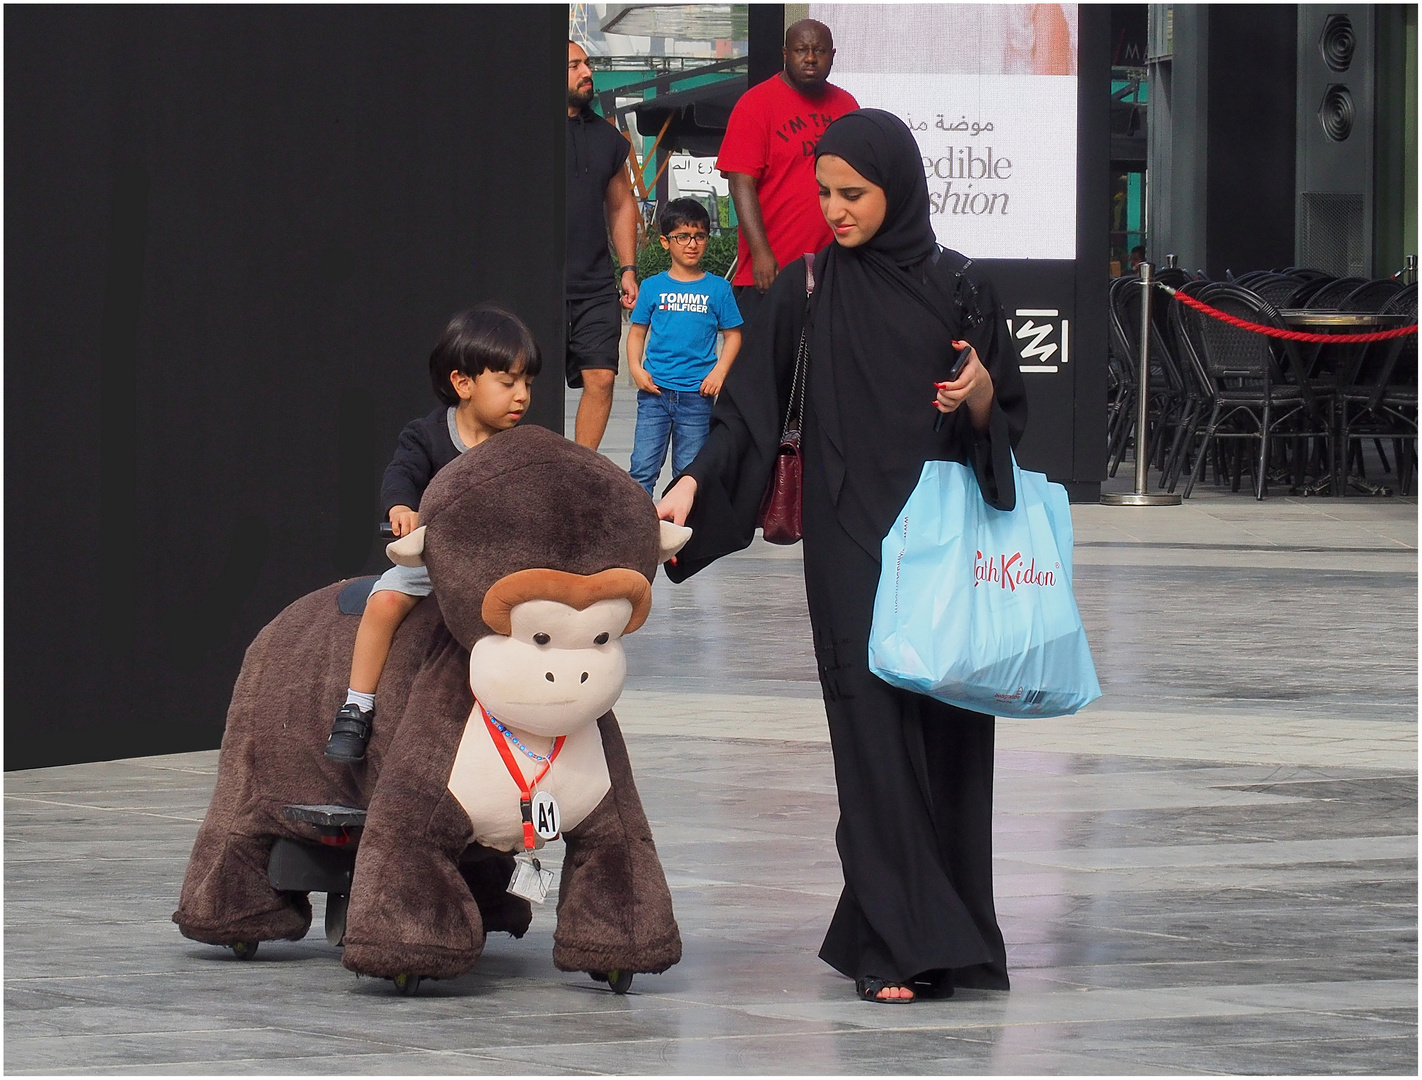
x=975, y=606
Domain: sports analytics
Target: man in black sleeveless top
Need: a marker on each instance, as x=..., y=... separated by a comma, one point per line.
x=600, y=201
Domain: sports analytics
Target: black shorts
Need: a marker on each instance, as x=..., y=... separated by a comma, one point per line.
x=748, y=299
x=593, y=337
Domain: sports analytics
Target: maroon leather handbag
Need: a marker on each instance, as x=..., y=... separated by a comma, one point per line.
x=780, y=516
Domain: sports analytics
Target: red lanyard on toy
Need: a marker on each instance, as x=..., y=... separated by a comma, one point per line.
x=501, y=736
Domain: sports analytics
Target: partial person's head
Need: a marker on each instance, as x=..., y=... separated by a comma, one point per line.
x=1137, y=256
x=580, y=80
x=809, y=55
x=685, y=227
x=872, y=190
x=485, y=363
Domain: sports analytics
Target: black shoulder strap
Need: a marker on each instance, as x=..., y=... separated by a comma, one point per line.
x=963, y=290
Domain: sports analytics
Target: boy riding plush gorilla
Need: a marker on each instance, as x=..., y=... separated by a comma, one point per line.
x=533, y=544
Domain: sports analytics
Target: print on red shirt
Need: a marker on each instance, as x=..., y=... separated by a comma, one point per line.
x=772, y=135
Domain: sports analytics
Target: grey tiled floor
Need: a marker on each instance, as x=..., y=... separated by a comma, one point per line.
x=1211, y=870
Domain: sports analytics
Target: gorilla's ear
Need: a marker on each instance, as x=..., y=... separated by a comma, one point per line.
x=673, y=539
x=409, y=550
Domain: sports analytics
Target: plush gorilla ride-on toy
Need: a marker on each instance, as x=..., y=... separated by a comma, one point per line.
x=541, y=553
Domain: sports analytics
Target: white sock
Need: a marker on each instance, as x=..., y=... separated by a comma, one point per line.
x=365, y=701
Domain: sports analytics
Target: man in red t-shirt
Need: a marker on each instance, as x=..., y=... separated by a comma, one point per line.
x=768, y=158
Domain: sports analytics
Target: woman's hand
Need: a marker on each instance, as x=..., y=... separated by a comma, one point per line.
x=972, y=388
x=403, y=520
x=676, y=504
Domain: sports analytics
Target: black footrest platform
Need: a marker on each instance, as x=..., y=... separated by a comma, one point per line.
x=325, y=814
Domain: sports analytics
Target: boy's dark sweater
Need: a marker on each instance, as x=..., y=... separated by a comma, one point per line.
x=423, y=449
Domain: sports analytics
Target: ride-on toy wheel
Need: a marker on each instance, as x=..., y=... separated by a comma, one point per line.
x=244, y=950
x=620, y=981
x=406, y=985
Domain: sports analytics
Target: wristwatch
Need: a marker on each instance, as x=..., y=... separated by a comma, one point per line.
x=623, y=269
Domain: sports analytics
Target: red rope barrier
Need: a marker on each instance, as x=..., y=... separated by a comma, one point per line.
x=1290, y=335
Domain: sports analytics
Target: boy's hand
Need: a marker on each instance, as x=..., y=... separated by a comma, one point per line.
x=711, y=385
x=643, y=379
x=403, y=520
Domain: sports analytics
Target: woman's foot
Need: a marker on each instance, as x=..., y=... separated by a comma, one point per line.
x=872, y=988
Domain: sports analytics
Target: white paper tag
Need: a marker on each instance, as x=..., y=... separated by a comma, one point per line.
x=530, y=880
x=547, y=819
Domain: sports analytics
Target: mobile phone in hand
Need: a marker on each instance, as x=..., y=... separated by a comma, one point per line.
x=954, y=372
x=959, y=363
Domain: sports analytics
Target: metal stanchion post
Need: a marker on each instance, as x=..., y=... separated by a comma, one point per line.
x=1170, y=262
x=1140, y=497
x=1409, y=272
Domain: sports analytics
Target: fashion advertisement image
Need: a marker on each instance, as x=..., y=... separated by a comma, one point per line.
x=989, y=91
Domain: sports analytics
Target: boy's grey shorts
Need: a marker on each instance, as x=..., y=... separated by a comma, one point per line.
x=410, y=580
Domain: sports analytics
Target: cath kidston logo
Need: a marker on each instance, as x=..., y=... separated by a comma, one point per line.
x=1010, y=572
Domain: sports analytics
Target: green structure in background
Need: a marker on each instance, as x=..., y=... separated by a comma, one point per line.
x=1129, y=96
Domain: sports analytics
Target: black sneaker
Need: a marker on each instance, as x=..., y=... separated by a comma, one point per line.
x=350, y=733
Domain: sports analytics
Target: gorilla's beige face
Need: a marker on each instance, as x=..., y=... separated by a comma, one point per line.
x=554, y=662
x=558, y=669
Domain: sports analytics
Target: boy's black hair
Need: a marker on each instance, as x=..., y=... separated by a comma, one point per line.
x=485, y=339
x=681, y=212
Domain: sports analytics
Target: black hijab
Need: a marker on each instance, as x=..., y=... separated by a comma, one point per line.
x=880, y=337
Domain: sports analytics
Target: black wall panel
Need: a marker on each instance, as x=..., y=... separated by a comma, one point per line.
x=232, y=237
x=1253, y=59
x=1066, y=406
x=765, y=28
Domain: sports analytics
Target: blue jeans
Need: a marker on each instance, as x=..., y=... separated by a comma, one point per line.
x=681, y=417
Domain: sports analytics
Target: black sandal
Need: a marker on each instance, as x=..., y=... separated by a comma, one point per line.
x=868, y=987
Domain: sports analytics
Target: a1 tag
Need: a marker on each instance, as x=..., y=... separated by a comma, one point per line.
x=547, y=821
x=530, y=880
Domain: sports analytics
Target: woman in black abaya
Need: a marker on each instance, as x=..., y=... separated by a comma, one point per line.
x=888, y=314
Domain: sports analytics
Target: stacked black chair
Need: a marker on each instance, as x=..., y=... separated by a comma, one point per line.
x=1167, y=387
x=1275, y=289
x=1332, y=295
x=1250, y=397
x=1371, y=296
x=1247, y=279
x=1120, y=383
x=1121, y=378
x=1201, y=396
x=1313, y=281
x=1377, y=395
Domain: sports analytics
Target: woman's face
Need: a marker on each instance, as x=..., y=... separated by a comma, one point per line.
x=853, y=206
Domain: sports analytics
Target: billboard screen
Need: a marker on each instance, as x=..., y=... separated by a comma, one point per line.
x=990, y=93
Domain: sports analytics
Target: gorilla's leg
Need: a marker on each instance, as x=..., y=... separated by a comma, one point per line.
x=226, y=897
x=411, y=911
x=614, y=907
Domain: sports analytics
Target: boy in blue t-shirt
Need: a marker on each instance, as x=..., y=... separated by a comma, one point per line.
x=671, y=347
